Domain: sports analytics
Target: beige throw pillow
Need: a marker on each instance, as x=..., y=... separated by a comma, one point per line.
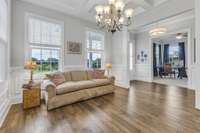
x=98, y=74
x=57, y=78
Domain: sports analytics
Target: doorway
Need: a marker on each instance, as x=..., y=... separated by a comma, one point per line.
x=170, y=59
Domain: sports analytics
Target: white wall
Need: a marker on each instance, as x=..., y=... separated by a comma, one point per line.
x=4, y=86
x=196, y=67
x=75, y=30
x=142, y=69
x=119, y=58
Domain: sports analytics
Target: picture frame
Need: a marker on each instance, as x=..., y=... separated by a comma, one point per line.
x=73, y=47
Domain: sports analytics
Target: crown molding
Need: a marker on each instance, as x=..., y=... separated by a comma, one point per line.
x=177, y=18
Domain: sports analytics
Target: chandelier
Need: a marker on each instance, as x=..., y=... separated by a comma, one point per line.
x=113, y=17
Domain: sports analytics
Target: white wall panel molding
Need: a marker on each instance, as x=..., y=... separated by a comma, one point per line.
x=4, y=101
x=142, y=72
x=121, y=74
x=4, y=85
x=120, y=57
x=4, y=108
x=17, y=76
x=196, y=68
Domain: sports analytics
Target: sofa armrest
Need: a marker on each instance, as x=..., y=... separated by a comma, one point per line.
x=111, y=79
x=49, y=87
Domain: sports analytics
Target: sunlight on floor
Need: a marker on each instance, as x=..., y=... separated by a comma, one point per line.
x=174, y=82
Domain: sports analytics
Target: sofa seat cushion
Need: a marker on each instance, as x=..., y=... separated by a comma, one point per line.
x=101, y=82
x=74, y=86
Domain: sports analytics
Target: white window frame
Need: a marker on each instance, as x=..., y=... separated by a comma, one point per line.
x=28, y=48
x=101, y=51
x=4, y=42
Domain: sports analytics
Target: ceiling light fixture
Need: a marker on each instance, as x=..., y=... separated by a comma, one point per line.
x=113, y=17
x=179, y=36
x=157, y=31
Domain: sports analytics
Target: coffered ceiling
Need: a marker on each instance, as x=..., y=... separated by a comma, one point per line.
x=85, y=8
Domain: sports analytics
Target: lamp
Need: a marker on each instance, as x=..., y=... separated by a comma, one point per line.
x=108, y=67
x=30, y=65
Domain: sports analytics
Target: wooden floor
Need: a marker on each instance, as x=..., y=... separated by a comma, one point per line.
x=145, y=108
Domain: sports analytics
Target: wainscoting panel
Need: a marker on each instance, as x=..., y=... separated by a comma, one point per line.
x=142, y=72
x=195, y=83
x=4, y=101
x=122, y=76
x=17, y=79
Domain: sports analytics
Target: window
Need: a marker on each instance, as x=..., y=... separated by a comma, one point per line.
x=95, y=50
x=47, y=59
x=45, y=41
x=158, y=54
x=3, y=38
x=174, y=55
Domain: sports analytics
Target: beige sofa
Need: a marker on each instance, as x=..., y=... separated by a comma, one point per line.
x=78, y=86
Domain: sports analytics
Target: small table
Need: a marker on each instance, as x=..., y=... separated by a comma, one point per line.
x=31, y=96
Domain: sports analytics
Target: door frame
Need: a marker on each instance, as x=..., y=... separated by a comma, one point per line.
x=189, y=55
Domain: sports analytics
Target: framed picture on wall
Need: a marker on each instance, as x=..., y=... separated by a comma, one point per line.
x=73, y=47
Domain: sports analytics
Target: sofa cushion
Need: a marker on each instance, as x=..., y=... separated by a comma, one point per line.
x=90, y=74
x=74, y=86
x=57, y=78
x=78, y=75
x=98, y=74
x=67, y=76
x=101, y=82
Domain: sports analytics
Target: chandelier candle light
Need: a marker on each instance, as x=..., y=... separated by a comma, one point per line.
x=113, y=17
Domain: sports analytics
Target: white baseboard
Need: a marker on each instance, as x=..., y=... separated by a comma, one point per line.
x=16, y=100
x=122, y=85
x=143, y=79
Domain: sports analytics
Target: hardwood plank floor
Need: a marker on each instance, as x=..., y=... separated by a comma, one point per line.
x=145, y=108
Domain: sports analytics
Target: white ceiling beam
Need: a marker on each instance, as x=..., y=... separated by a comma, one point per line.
x=146, y=4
